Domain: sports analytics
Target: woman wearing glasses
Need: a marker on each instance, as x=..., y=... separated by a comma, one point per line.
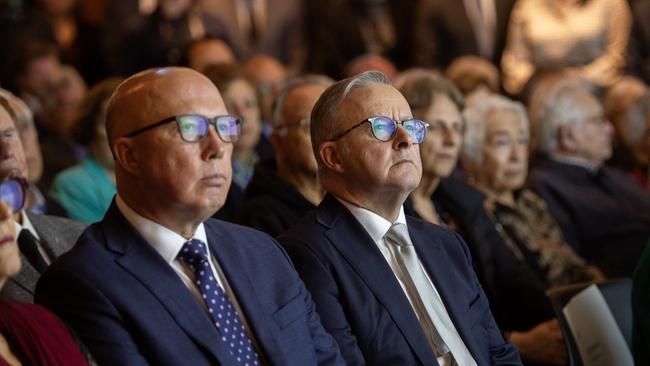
x=29, y=334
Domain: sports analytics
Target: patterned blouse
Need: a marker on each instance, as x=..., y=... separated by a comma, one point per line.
x=534, y=236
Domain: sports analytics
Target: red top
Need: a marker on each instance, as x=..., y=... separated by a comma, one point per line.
x=37, y=337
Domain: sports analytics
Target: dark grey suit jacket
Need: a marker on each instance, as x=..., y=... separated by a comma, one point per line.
x=57, y=235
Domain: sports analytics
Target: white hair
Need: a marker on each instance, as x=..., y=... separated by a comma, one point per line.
x=560, y=108
x=324, y=114
x=476, y=117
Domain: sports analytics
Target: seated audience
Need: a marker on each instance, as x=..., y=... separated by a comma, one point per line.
x=495, y=155
x=369, y=62
x=241, y=100
x=285, y=188
x=207, y=51
x=604, y=215
x=616, y=104
x=61, y=98
x=638, y=51
x=29, y=334
x=158, y=282
x=33, y=64
x=87, y=189
x=475, y=76
x=515, y=291
x=41, y=238
x=36, y=202
x=268, y=75
x=641, y=310
x=586, y=38
x=635, y=137
x=392, y=290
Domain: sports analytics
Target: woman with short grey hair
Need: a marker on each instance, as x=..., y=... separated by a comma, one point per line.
x=495, y=155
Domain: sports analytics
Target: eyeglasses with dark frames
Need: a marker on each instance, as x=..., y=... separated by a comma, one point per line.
x=384, y=128
x=194, y=127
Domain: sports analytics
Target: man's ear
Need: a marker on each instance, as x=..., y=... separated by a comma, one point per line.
x=125, y=155
x=330, y=156
x=566, y=138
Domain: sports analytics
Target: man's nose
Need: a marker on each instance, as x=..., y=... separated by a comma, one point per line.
x=213, y=147
x=402, y=138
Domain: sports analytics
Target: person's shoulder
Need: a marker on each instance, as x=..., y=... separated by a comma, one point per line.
x=229, y=228
x=89, y=249
x=48, y=224
x=307, y=228
x=429, y=235
x=247, y=238
x=62, y=223
x=419, y=226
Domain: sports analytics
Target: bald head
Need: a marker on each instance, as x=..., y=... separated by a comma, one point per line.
x=155, y=94
x=166, y=179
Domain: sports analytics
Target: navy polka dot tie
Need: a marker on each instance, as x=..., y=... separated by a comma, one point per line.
x=230, y=326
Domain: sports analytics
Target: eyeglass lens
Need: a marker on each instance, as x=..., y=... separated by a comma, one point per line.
x=384, y=128
x=12, y=194
x=195, y=127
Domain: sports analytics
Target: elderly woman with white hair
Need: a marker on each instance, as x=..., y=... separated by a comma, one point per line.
x=495, y=154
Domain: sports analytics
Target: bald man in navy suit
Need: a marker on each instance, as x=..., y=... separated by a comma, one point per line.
x=158, y=282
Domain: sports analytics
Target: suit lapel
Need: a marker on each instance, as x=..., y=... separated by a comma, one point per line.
x=48, y=236
x=361, y=253
x=225, y=249
x=435, y=261
x=27, y=277
x=145, y=264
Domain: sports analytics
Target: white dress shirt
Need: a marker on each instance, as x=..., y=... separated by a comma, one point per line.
x=168, y=244
x=377, y=227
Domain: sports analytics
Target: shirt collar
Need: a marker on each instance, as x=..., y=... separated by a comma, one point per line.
x=375, y=225
x=583, y=163
x=166, y=242
x=27, y=224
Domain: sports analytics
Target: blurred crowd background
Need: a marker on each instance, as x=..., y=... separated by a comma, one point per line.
x=562, y=193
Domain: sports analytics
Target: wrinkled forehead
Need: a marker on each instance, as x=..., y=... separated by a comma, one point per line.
x=373, y=100
x=143, y=100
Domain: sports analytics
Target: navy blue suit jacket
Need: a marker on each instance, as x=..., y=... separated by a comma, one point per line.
x=130, y=307
x=362, y=304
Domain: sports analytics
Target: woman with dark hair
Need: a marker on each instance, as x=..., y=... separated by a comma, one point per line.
x=86, y=190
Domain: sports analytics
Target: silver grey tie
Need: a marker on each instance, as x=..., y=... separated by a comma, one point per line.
x=425, y=300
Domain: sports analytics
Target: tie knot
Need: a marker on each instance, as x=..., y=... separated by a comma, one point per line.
x=398, y=234
x=194, y=251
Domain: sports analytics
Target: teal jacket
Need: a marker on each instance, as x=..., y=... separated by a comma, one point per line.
x=84, y=190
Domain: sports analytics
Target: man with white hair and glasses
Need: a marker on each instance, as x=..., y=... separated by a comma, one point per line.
x=391, y=290
x=604, y=215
